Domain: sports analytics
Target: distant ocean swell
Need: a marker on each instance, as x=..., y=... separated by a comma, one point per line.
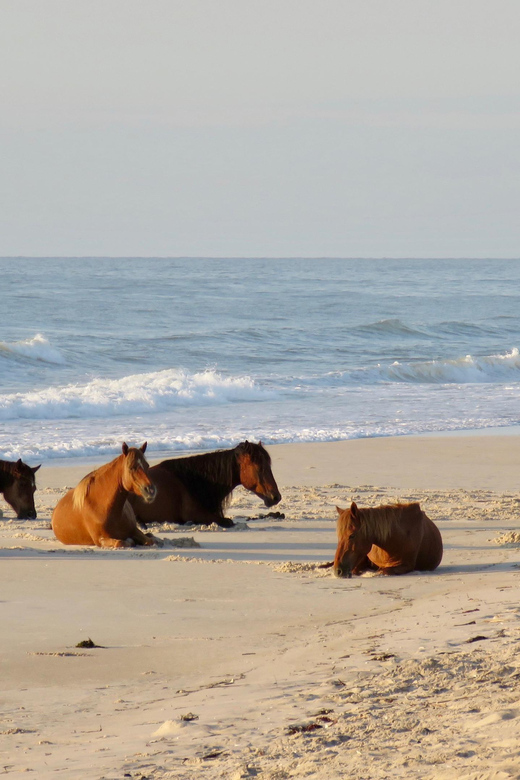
x=488, y=368
x=396, y=327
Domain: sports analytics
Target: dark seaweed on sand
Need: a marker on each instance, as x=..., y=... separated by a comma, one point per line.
x=88, y=643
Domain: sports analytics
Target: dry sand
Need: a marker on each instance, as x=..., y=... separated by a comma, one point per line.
x=240, y=658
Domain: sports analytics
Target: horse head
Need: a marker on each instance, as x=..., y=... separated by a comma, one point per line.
x=254, y=466
x=135, y=473
x=353, y=546
x=20, y=492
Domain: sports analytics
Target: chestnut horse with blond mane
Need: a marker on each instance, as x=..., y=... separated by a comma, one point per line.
x=96, y=511
x=394, y=539
x=195, y=489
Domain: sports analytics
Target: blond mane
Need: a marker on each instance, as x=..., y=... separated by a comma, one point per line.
x=82, y=489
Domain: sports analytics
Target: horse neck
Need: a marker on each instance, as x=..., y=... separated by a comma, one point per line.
x=211, y=477
x=109, y=490
x=227, y=476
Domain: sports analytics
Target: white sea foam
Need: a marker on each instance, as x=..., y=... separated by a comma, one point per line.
x=159, y=391
x=89, y=442
x=37, y=348
x=361, y=411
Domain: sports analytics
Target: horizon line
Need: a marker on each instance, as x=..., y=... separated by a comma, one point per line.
x=252, y=257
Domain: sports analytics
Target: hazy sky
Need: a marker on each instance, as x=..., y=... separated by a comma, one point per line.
x=350, y=128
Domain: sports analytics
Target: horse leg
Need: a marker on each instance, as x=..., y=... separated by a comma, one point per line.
x=403, y=568
x=133, y=531
x=193, y=512
x=109, y=543
x=146, y=540
x=102, y=535
x=365, y=565
x=225, y=522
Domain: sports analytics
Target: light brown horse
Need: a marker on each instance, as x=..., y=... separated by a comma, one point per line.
x=393, y=539
x=195, y=489
x=17, y=484
x=96, y=510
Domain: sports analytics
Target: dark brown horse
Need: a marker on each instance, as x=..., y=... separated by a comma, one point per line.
x=195, y=489
x=17, y=484
x=393, y=539
x=96, y=511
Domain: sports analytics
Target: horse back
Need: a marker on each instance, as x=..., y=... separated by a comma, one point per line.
x=68, y=523
x=86, y=526
x=429, y=540
x=416, y=542
x=431, y=549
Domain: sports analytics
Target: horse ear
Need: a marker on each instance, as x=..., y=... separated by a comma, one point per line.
x=35, y=469
x=339, y=511
x=19, y=462
x=125, y=448
x=354, y=509
x=143, y=448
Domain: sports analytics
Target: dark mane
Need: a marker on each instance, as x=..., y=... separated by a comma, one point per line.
x=212, y=476
x=8, y=471
x=8, y=465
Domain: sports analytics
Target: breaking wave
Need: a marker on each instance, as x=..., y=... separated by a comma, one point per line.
x=468, y=369
x=160, y=391
x=36, y=349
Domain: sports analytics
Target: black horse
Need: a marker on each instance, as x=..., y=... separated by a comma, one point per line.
x=17, y=484
x=196, y=489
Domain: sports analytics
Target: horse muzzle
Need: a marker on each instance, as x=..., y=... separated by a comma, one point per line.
x=271, y=499
x=149, y=493
x=342, y=571
x=28, y=514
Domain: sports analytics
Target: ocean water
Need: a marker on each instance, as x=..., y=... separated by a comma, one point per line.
x=194, y=354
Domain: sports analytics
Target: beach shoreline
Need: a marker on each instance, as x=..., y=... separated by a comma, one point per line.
x=476, y=458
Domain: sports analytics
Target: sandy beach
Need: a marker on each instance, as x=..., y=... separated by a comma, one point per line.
x=229, y=654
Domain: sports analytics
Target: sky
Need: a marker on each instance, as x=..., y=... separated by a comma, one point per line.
x=273, y=128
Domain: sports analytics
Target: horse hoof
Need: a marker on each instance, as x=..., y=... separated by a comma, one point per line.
x=226, y=523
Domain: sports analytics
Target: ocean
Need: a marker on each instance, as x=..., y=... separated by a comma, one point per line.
x=197, y=354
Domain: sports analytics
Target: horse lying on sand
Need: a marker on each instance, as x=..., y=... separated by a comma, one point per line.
x=96, y=510
x=393, y=539
x=195, y=489
x=17, y=484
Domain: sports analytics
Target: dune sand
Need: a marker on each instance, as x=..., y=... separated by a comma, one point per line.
x=240, y=658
